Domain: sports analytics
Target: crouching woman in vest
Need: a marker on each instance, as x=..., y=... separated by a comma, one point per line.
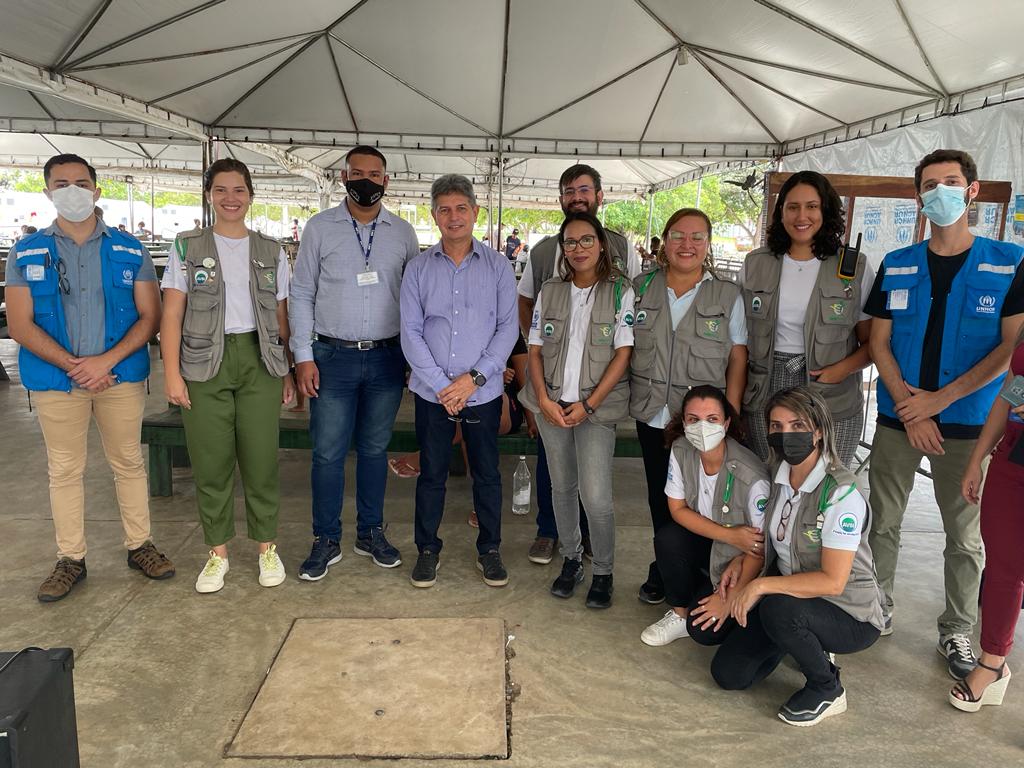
x=717, y=493
x=580, y=342
x=689, y=330
x=223, y=338
x=806, y=320
x=817, y=594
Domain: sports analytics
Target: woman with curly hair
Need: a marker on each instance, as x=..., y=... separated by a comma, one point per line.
x=806, y=322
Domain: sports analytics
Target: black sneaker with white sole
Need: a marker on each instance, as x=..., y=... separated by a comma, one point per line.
x=493, y=569
x=424, y=573
x=809, y=706
x=959, y=655
x=325, y=553
x=571, y=575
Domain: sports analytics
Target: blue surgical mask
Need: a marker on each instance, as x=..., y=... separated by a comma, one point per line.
x=944, y=205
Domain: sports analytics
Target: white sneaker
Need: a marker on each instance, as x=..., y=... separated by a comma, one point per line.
x=211, y=579
x=271, y=567
x=669, y=627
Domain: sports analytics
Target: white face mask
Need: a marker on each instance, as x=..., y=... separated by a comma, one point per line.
x=73, y=203
x=704, y=436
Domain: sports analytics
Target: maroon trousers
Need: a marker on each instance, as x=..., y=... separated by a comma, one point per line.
x=1002, y=529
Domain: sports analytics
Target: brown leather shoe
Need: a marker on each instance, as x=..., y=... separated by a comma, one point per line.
x=542, y=550
x=66, y=573
x=151, y=562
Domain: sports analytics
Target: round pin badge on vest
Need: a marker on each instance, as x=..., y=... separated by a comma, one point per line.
x=209, y=263
x=201, y=276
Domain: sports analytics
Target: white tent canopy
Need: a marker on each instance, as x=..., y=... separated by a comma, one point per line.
x=656, y=90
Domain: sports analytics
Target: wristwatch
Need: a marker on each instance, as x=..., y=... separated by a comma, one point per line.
x=478, y=378
x=587, y=408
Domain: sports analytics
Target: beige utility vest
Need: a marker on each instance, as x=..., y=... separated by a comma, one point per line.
x=862, y=597
x=740, y=471
x=829, y=330
x=668, y=361
x=202, y=331
x=542, y=258
x=597, y=352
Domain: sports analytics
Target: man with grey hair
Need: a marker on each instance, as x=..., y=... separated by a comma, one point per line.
x=458, y=329
x=343, y=311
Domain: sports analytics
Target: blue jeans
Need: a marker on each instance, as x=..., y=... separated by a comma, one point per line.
x=359, y=396
x=434, y=433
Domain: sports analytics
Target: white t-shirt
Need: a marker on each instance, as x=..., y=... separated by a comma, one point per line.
x=526, y=280
x=796, y=283
x=234, y=263
x=582, y=303
x=675, y=488
x=844, y=516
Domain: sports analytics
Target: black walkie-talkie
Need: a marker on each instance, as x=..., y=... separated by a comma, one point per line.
x=848, y=260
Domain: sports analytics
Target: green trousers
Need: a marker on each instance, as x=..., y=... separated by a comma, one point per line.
x=234, y=419
x=891, y=478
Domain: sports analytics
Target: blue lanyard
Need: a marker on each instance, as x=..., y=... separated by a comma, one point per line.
x=369, y=245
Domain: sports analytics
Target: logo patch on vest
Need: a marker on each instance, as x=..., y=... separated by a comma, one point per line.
x=549, y=329
x=202, y=276
x=814, y=536
x=269, y=277
x=604, y=333
x=127, y=277
x=755, y=304
x=710, y=328
x=35, y=272
x=986, y=305
x=209, y=263
x=838, y=310
x=640, y=316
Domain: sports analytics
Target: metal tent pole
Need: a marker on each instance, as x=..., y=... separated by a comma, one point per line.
x=131, y=203
x=501, y=192
x=650, y=216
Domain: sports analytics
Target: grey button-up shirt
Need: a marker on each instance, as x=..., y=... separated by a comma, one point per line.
x=325, y=297
x=84, y=309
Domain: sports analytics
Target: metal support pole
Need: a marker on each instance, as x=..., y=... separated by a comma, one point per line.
x=490, y=207
x=131, y=203
x=207, y=213
x=650, y=216
x=152, y=207
x=700, y=181
x=501, y=192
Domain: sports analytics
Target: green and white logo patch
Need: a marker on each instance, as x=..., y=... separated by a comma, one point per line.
x=549, y=329
x=628, y=318
x=849, y=523
x=762, y=504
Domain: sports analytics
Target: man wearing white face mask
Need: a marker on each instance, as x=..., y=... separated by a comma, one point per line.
x=947, y=311
x=82, y=303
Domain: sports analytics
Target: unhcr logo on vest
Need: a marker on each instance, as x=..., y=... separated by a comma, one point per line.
x=986, y=305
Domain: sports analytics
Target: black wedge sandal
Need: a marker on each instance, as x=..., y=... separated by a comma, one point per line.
x=992, y=695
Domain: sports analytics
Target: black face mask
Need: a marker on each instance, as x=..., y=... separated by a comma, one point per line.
x=793, y=447
x=364, y=192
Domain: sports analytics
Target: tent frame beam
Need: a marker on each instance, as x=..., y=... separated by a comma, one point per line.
x=920, y=48
x=97, y=13
x=700, y=60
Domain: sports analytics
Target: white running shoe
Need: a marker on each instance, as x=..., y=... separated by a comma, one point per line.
x=271, y=567
x=211, y=579
x=668, y=628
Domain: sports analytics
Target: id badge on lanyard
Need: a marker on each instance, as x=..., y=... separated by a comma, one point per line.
x=368, y=276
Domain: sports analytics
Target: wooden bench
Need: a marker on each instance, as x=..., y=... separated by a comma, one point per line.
x=165, y=435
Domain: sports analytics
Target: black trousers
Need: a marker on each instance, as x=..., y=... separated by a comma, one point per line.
x=656, y=455
x=780, y=625
x=682, y=558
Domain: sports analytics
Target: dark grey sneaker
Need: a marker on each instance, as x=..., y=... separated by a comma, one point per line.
x=494, y=572
x=375, y=545
x=424, y=573
x=572, y=574
x=542, y=551
x=959, y=655
x=324, y=553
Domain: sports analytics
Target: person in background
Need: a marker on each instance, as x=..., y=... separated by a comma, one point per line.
x=513, y=245
x=806, y=322
x=224, y=341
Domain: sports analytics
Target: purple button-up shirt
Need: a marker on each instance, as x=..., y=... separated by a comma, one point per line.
x=458, y=318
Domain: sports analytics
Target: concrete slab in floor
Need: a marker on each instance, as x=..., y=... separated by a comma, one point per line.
x=359, y=688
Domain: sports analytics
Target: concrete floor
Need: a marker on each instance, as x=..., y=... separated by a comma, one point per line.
x=163, y=675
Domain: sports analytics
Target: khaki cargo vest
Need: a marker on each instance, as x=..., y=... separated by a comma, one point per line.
x=597, y=353
x=829, y=336
x=202, y=332
x=668, y=361
x=542, y=258
x=862, y=597
x=746, y=470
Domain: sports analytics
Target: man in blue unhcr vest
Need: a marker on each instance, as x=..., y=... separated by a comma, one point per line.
x=82, y=301
x=947, y=311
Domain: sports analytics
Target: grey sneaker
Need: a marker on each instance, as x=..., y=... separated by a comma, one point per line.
x=959, y=655
x=542, y=550
x=886, y=622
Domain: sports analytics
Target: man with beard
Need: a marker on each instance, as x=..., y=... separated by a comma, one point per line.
x=580, y=190
x=344, y=315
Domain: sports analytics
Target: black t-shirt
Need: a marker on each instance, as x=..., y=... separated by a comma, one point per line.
x=942, y=270
x=519, y=348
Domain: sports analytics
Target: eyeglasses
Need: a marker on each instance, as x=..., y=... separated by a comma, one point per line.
x=583, y=191
x=696, y=237
x=787, y=511
x=572, y=244
x=472, y=418
x=62, y=274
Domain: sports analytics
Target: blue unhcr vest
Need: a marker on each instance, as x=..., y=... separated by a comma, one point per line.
x=37, y=258
x=972, y=327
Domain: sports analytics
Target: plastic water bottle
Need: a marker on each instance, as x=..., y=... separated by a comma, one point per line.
x=521, y=489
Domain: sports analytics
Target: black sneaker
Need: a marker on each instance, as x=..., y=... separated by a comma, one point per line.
x=959, y=655
x=424, y=573
x=494, y=572
x=652, y=591
x=376, y=546
x=572, y=574
x=600, y=594
x=325, y=553
x=809, y=706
